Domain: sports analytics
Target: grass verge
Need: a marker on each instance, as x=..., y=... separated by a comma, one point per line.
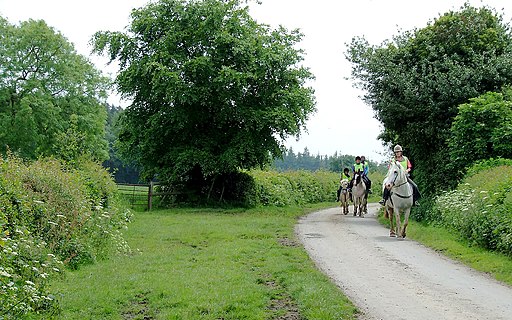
x=207, y=264
x=498, y=266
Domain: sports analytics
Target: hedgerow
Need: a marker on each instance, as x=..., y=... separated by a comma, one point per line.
x=480, y=209
x=294, y=187
x=52, y=216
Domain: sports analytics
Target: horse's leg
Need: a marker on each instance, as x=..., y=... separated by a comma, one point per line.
x=398, y=223
x=406, y=221
x=389, y=213
x=355, y=206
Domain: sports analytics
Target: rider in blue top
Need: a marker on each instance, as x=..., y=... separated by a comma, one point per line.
x=366, y=179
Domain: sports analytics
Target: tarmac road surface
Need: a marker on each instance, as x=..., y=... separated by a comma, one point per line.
x=388, y=278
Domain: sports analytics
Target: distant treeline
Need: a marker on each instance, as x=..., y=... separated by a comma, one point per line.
x=306, y=161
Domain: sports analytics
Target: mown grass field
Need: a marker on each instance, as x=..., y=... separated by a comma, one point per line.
x=206, y=264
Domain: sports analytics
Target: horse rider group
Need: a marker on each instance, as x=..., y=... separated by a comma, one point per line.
x=361, y=166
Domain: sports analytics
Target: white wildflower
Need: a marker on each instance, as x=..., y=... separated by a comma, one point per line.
x=29, y=282
x=5, y=274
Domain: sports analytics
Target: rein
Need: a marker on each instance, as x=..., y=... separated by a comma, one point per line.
x=399, y=185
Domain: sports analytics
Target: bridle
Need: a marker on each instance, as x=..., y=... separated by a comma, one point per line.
x=399, y=185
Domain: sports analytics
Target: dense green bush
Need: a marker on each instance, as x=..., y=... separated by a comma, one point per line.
x=52, y=214
x=294, y=187
x=480, y=209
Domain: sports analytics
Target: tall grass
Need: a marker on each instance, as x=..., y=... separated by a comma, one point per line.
x=480, y=209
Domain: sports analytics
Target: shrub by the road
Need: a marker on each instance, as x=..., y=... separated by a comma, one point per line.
x=294, y=187
x=52, y=215
x=480, y=209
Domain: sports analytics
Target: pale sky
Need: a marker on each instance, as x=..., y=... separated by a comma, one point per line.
x=342, y=123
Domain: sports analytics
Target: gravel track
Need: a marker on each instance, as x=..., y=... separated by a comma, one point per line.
x=388, y=278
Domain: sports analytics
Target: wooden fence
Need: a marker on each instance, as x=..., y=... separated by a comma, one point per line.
x=141, y=195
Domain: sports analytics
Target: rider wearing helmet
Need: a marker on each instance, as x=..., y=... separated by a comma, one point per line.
x=345, y=175
x=406, y=164
x=366, y=179
x=362, y=168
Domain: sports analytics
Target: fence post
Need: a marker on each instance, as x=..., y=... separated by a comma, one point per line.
x=150, y=195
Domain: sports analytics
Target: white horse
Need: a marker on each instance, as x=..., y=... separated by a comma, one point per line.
x=344, y=196
x=400, y=199
x=359, y=195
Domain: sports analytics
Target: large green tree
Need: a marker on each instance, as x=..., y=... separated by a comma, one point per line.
x=416, y=82
x=47, y=91
x=213, y=91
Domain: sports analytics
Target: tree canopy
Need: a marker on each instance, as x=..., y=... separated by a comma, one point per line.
x=47, y=91
x=482, y=130
x=213, y=91
x=416, y=82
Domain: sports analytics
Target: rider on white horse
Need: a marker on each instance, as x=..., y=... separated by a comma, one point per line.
x=406, y=164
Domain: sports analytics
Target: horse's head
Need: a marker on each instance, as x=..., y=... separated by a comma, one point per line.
x=357, y=177
x=395, y=176
x=344, y=184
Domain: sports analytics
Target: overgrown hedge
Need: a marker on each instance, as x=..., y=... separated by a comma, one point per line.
x=52, y=215
x=294, y=187
x=480, y=209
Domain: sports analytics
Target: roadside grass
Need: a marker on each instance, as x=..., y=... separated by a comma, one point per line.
x=448, y=243
x=206, y=264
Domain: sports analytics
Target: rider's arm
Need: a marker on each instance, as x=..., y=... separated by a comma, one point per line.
x=409, y=166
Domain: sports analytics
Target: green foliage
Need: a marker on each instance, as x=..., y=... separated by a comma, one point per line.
x=306, y=161
x=480, y=209
x=43, y=84
x=121, y=169
x=416, y=82
x=487, y=164
x=295, y=187
x=482, y=129
x=52, y=213
x=213, y=91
